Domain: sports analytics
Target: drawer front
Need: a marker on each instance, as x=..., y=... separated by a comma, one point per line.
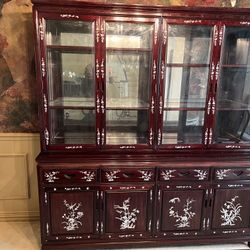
x=234, y=173
x=127, y=175
x=169, y=174
x=70, y=176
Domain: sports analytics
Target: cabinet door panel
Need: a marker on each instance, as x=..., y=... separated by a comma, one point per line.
x=130, y=81
x=68, y=57
x=231, y=209
x=181, y=210
x=233, y=95
x=72, y=213
x=181, y=213
x=185, y=83
x=128, y=212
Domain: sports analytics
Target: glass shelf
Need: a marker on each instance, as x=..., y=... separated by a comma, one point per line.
x=118, y=103
x=78, y=102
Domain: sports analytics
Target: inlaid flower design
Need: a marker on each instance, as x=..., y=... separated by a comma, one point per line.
x=72, y=218
x=230, y=212
x=183, y=219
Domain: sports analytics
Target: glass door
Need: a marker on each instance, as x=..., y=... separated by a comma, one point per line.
x=70, y=74
x=186, y=55
x=130, y=99
x=233, y=93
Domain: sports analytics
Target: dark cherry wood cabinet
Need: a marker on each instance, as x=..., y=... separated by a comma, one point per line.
x=145, y=124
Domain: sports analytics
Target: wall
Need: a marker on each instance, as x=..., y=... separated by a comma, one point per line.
x=18, y=184
x=19, y=140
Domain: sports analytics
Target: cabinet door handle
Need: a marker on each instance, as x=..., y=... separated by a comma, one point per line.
x=206, y=203
x=127, y=175
x=210, y=203
x=186, y=173
x=69, y=176
x=238, y=173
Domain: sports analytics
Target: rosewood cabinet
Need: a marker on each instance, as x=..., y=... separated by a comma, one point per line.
x=145, y=124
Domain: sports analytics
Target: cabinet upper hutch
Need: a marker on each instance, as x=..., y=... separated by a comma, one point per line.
x=145, y=114
x=143, y=81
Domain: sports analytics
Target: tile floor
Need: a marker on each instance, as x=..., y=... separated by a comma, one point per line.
x=26, y=236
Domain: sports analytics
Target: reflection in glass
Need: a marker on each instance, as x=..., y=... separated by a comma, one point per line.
x=69, y=33
x=69, y=126
x=126, y=127
x=189, y=44
x=71, y=78
x=128, y=79
x=237, y=46
x=182, y=127
x=128, y=35
x=232, y=121
x=186, y=87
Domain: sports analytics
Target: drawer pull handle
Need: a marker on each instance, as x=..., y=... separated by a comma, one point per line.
x=69, y=176
x=127, y=175
x=238, y=173
x=184, y=173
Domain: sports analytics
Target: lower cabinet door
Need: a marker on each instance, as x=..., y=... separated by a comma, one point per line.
x=71, y=213
x=181, y=212
x=127, y=211
x=231, y=211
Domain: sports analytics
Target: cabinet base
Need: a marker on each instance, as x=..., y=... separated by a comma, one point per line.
x=139, y=244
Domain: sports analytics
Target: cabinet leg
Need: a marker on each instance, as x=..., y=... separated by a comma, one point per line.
x=248, y=243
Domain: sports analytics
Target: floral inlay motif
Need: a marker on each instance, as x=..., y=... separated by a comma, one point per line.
x=88, y=176
x=51, y=176
x=111, y=175
x=182, y=220
x=201, y=174
x=230, y=212
x=167, y=174
x=127, y=217
x=222, y=173
x=146, y=175
x=73, y=216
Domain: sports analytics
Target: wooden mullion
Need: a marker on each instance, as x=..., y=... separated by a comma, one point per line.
x=213, y=81
x=161, y=88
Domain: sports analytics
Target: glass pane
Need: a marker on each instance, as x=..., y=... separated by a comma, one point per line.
x=126, y=127
x=69, y=126
x=128, y=35
x=69, y=33
x=189, y=44
x=71, y=79
x=237, y=46
x=182, y=127
x=128, y=79
x=186, y=87
x=232, y=122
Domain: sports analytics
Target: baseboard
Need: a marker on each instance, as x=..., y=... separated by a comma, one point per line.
x=19, y=216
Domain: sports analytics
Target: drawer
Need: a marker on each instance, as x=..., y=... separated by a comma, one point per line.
x=169, y=174
x=234, y=173
x=69, y=176
x=127, y=175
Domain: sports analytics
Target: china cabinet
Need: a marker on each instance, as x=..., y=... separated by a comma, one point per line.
x=145, y=132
